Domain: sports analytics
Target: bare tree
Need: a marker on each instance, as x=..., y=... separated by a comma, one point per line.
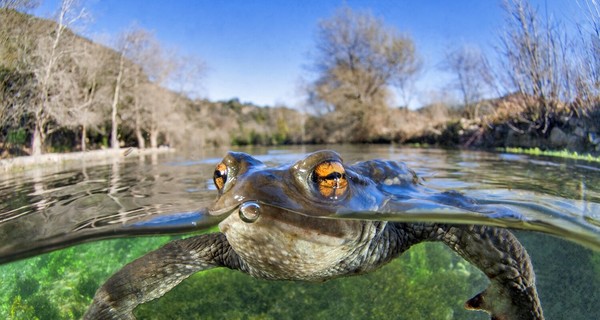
x=159, y=112
x=46, y=64
x=186, y=80
x=473, y=77
x=162, y=114
x=534, y=55
x=145, y=70
x=123, y=47
x=158, y=66
x=359, y=59
x=587, y=67
x=130, y=45
x=142, y=76
x=19, y=5
x=187, y=76
x=82, y=90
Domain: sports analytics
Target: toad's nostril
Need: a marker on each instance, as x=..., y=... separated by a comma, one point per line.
x=249, y=211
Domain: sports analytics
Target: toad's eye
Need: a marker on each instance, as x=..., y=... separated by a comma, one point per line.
x=330, y=179
x=220, y=176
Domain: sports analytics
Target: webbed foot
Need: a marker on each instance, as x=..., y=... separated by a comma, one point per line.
x=512, y=294
x=502, y=304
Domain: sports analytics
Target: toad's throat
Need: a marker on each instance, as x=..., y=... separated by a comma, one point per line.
x=286, y=245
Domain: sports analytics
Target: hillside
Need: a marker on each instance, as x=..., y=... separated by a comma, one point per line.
x=62, y=92
x=92, y=74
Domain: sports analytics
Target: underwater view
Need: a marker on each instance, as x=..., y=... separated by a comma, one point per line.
x=57, y=223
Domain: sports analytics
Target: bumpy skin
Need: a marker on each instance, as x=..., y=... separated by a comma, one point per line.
x=283, y=244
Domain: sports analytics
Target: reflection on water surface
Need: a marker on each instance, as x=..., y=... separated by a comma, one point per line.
x=45, y=209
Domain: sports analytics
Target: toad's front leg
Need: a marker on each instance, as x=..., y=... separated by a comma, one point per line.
x=512, y=293
x=154, y=274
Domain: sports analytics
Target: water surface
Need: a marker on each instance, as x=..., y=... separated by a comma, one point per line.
x=47, y=209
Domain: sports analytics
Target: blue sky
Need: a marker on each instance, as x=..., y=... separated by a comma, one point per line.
x=258, y=51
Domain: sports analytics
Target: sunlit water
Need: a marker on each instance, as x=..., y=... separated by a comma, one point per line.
x=47, y=209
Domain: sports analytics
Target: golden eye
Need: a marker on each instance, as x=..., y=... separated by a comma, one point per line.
x=220, y=176
x=330, y=179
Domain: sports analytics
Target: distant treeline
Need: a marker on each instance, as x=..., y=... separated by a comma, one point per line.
x=62, y=92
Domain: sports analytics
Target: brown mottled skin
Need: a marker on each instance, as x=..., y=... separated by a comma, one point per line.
x=283, y=244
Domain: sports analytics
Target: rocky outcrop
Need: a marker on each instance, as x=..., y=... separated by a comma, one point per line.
x=571, y=133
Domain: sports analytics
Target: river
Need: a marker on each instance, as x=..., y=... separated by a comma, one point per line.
x=74, y=209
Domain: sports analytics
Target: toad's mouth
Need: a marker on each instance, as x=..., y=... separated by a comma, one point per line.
x=268, y=218
x=250, y=211
x=434, y=208
x=224, y=212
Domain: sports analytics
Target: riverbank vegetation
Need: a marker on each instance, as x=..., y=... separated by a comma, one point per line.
x=61, y=92
x=548, y=153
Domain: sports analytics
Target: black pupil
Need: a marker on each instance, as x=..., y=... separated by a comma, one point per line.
x=331, y=176
x=220, y=175
x=334, y=176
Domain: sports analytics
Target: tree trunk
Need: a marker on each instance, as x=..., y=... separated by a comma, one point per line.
x=83, y=137
x=114, y=140
x=41, y=117
x=36, y=141
x=154, y=139
x=168, y=141
x=138, y=118
x=140, y=137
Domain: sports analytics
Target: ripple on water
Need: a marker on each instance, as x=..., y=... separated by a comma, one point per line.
x=55, y=203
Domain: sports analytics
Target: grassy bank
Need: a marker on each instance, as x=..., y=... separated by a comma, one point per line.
x=550, y=153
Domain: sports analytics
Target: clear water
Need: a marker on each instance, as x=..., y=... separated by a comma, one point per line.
x=55, y=207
